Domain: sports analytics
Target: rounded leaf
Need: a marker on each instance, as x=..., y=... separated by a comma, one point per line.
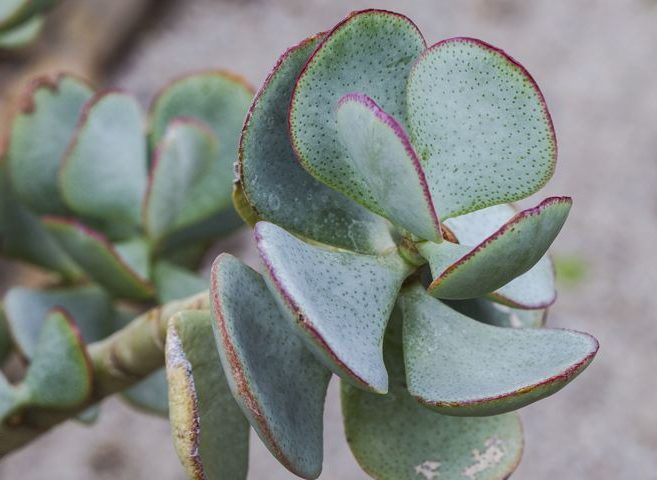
x=480, y=124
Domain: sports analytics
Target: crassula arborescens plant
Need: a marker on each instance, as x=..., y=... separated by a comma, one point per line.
x=378, y=173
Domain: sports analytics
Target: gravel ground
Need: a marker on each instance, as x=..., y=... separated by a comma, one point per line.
x=595, y=62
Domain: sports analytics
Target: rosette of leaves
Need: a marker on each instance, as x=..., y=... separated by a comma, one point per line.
x=120, y=206
x=21, y=21
x=379, y=173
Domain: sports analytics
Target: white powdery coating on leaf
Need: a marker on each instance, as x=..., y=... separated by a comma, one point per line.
x=428, y=469
x=490, y=457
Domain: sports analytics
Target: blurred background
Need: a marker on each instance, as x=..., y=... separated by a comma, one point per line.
x=595, y=62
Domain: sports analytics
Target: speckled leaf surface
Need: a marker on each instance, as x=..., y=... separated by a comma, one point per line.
x=339, y=301
x=210, y=433
x=49, y=113
x=395, y=438
x=534, y=289
x=507, y=253
x=218, y=99
x=384, y=160
x=279, y=190
x=187, y=185
x=173, y=282
x=459, y=366
x=26, y=310
x=480, y=124
x=276, y=381
x=369, y=52
x=22, y=35
x=103, y=176
x=98, y=257
x=492, y=313
x=60, y=374
x=150, y=394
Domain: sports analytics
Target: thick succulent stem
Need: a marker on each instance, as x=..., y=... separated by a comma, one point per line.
x=118, y=362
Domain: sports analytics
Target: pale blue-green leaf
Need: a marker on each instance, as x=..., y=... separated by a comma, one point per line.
x=210, y=433
x=103, y=176
x=15, y=12
x=173, y=282
x=279, y=190
x=60, y=374
x=150, y=394
x=480, y=124
x=276, y=381
x=395, y=438
x=187, y=184
x=26, y=310
x=339, y=302
x=101, y=260
x=218, y=99
x=22, y=35
x=369, y=52
x=462, y=367
x=462, y=272
x=534, y=289
x=50, y=111
x=383, y=159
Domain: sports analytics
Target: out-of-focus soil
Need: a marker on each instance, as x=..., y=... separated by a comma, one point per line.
x=595, y=62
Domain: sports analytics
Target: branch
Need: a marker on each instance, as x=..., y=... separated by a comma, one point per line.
x=119, y=361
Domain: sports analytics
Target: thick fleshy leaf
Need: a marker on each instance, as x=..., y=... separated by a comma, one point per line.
x=218, y=99
x=463, y=272
x=187, y=185
x=534, y=289
x=101, y=260
x=480, y=124
x=486, y=311
x=369, y=52
x=276, y=381
x=25, y=238
x=103, y=176
x=339, y=301
x=26, y=310
x=150, y=394
x=210, y=433
x=459, y=366
x=279, y=190
x=395, y=438
x=60, y=374
x=173, y=282
x=22, y=35
x=383, y=159
x=49, y=113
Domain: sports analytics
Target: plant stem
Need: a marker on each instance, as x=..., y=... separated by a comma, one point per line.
x=118, y=362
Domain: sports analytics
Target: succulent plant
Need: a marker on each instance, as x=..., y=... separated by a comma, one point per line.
x=21, y=21
x=119, y=209
x=378, y=174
